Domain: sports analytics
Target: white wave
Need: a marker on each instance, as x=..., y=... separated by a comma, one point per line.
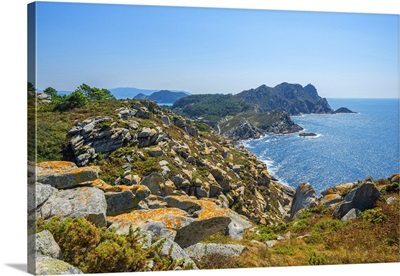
x=273, y=170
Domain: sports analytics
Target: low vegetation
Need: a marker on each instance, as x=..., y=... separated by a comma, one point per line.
x=317, y=239
x=210, y=107
x=95, y=250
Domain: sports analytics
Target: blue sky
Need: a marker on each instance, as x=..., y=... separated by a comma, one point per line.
x=204, y=50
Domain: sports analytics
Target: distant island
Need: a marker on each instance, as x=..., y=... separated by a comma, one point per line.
x=254, y=112
x=132, y=92
x=137, y=93
x=344, y=110
x=162, y=96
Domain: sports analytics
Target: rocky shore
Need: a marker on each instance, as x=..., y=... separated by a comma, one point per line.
x=183, y=185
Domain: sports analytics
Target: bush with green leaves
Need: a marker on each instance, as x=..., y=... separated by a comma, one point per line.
x=94, y=93
x=97, y=250
x=315, y=258
x=285, y=250
x=373, y=215
x=391, y=188
x=74, y=100
x=50, y=91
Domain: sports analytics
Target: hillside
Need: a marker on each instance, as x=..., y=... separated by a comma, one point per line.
x=255, y=112
x=111, y=166
x=163, y=96
x=292, y=98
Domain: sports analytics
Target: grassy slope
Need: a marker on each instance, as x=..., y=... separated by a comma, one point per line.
x=371, y=238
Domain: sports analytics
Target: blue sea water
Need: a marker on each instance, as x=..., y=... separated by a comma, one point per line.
x=348, y=147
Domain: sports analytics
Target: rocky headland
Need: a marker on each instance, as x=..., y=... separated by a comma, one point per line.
x=344, y=110
x=254, y=112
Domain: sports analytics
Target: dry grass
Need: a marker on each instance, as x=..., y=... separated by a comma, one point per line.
x=362, y=240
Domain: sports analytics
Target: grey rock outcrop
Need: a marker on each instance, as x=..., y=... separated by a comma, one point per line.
x=120, y=202
x=198, y=250
x=63, y=174
x=187, y=126
x=352, y=214
x=202, y=219
x=190, y=206
x=154, y=182
x=198, y=230
x=362, y=198
x=331, y=199
x=87, y=202
x=236, y=227
x=96, y=135
x=305, y=197
x=43, y=193
x=46, y=245
x=242, y=131
x=49, y=266
x=177, y=253
x=148, y=137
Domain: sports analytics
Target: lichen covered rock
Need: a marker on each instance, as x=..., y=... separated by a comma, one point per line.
x=50, y=266
x=305, y=197
x=63, y=174
x=87, y=202
x=362, y=198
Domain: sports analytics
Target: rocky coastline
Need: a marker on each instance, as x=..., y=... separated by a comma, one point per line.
x=139, y=166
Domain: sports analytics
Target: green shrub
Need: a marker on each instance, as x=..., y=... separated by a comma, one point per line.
x=268, y=232
x=76, y=237
x=96, y=250
x=285, y=250
x=373, y=215
x=202, y=126
x=298, y=225
x=391, y=188
x=104, y=124
x=327, y=225
x=74, y=100
x=315, y=258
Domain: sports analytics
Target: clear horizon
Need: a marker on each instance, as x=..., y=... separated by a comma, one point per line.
x=216, y=50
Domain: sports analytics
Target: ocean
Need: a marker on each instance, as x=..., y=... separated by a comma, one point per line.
x=347, y=148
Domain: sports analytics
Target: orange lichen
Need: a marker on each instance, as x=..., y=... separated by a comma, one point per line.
x=330, y=191
x=172, y=217
x=86, y=195
x=55, y=165
x=330, y=197
x=345, y=186
x=63, y=167
x=395, y=177
x=210, y=210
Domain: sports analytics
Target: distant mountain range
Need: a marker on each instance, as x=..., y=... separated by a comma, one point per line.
x=132, y=92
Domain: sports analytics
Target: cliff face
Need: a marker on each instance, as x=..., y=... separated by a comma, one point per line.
x=253, y=125
x=292, y=98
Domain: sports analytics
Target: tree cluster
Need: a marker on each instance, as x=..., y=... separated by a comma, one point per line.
x=79, y=98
